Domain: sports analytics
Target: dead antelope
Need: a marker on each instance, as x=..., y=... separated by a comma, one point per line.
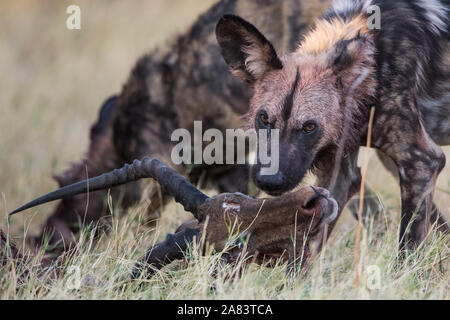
x=269, y=225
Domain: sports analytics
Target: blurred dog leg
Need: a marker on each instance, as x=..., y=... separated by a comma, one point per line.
x=7, y=250
x=10, y=257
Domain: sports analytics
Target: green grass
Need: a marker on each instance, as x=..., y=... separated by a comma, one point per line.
x=53, y=81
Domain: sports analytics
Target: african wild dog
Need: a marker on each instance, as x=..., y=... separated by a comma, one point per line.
x=320, y=95
x=168, y=89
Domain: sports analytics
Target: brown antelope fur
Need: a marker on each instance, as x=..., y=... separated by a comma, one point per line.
x=342, y=68
x=289, y=228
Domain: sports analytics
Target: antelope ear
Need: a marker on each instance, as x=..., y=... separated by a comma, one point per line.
x=249, y=54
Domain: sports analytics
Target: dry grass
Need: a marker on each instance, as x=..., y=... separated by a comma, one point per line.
x=53, y=81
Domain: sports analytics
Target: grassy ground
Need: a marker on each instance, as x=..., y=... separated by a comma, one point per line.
x=53, y=81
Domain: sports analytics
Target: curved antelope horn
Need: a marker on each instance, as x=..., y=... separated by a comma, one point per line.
x=173, y=182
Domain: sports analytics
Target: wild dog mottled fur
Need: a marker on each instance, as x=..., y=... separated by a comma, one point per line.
x=319, y=97
x=169, y=88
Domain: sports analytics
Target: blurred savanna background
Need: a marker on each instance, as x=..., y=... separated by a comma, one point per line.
x=53, y=80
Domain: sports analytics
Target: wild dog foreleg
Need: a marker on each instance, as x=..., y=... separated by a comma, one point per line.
x=419, y=161
x=436, y=215
x=418, y=175
x=348, y=181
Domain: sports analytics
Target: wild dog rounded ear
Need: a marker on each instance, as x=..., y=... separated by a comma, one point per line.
x=249, y=54
x=348, y=53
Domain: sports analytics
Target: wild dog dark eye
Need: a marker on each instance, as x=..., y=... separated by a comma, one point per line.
x=263, y=118
x=309, y=127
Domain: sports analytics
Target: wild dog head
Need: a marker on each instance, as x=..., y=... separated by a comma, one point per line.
x=302, y=94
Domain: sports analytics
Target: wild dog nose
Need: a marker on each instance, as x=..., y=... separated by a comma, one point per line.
x=269, y=183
